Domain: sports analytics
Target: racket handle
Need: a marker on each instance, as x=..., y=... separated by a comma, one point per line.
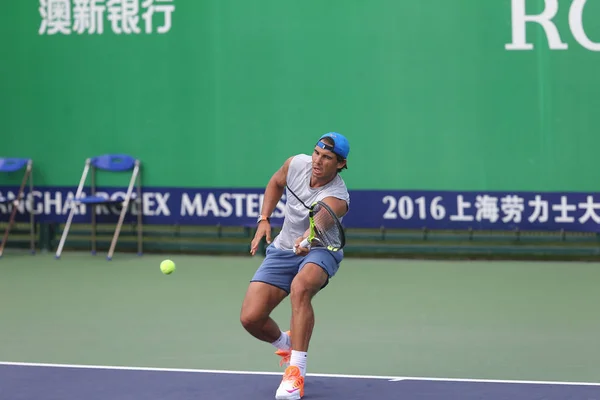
x=305, y=243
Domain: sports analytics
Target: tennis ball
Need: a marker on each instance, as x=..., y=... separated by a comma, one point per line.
x=167, y=267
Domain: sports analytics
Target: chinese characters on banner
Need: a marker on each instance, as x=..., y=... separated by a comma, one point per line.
x=576, y=211
x=95, y=17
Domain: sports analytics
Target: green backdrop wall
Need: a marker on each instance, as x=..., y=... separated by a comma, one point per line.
x=428, y=92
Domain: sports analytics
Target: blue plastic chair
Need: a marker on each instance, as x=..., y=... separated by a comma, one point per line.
x=9, y=165
x=109, y=163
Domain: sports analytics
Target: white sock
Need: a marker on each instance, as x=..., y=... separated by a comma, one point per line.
x=298, y=359
x=283, y=343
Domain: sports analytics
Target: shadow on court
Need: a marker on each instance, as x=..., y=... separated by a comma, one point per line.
x=29, y=382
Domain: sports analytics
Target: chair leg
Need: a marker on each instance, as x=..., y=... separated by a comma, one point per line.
x=113, y=243
x=31, y=208
x=93, y=208
x=65, y=232
x=8, y=228
x=14, y=211
x=140, y=211
x=72, y=206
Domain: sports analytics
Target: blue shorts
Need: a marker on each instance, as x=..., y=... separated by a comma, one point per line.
x=281, y=266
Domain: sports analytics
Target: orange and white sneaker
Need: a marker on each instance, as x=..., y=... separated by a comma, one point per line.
x=285, y=354
x=292, y=385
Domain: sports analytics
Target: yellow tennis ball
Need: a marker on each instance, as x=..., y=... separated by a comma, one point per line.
x=167, y=267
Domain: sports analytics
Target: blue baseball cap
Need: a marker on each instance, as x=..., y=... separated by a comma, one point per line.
x=341, y=147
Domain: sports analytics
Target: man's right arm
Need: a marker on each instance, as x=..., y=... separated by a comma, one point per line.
x=274, y=189
x=273, y=193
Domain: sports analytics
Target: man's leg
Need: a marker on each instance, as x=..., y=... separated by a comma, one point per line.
x=316, y=269
x=305, y=286
x=268, y=287
x=260, y=300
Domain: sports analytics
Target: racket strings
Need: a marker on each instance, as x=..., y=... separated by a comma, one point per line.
x=328, y=230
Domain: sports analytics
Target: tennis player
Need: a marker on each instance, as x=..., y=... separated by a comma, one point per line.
x=289, y=269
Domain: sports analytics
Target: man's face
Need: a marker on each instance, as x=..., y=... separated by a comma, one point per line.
x=325, y=163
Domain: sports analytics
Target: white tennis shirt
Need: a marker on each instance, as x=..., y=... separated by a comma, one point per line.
x=295, y=221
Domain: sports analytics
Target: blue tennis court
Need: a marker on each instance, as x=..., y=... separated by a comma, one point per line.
x=22, y=381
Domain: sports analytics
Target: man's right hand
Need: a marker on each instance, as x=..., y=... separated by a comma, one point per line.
x=263, y=229
x=300, y=251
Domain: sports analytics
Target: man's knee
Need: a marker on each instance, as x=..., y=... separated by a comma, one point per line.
x=307, y=283
x=253, y=315
x=301, y=292
x=251, y=319
x=259, y=302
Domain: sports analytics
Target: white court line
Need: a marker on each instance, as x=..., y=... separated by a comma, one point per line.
x=218, y=371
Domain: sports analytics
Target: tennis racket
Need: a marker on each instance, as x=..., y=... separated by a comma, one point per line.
x=325, y=228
